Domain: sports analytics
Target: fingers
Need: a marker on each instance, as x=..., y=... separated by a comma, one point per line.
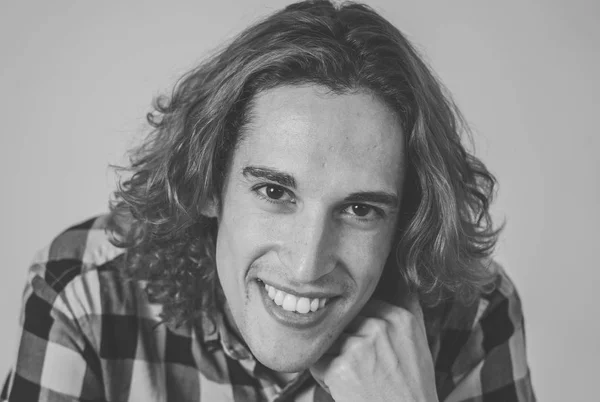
x=378, y=317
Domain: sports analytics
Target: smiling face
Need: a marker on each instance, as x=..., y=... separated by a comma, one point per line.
x=308, y=214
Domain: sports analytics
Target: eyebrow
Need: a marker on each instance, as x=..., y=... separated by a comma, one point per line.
x=273, y=175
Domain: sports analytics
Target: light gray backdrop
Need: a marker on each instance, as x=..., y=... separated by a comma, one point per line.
x=77, y=78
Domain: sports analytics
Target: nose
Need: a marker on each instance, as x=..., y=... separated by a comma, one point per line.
x=309, y=250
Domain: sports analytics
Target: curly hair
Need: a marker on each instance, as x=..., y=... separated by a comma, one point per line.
x=445, y=232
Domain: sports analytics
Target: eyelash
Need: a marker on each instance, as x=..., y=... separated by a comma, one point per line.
x=256, y=189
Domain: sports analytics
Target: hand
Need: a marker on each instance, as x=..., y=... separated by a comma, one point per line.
x=381, y=356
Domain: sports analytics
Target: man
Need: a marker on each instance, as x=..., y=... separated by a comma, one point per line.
x=302, y=223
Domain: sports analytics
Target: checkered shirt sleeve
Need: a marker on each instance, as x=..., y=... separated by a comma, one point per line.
x=55, y=361
x=479, y=350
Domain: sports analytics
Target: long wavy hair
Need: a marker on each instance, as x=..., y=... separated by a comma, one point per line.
x=445, y=232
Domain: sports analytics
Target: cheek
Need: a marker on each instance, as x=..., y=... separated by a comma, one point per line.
x=368, y=278
x=240, y=240
x=230, y=248
x=366, y=257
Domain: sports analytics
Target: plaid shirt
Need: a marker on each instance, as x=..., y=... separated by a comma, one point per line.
x=89, y=335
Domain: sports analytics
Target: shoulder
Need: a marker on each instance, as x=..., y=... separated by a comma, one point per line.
x=500, y=304
x=481, y=344
x=459, y=331
x=79, y=281
x=80, y=316
x=499, y=311
x=503, y=304
x=79, y=275
x=82, y=247
x=87, y=242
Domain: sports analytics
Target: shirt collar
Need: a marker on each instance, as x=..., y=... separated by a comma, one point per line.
x=217, y=331
x=233, y=346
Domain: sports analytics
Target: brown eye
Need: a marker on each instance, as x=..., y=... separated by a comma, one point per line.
x=274, y=193
x=360, y=210
x=363, y=212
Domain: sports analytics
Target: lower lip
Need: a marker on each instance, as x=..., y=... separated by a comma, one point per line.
x=292, y=318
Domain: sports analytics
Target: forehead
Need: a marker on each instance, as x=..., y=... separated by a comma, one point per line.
x=345, y=141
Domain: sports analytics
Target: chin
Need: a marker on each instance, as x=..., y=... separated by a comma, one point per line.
x=289, y=361
x=288, y=350
x=284, y=341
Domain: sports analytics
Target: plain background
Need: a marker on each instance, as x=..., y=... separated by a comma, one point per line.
x=77, y=79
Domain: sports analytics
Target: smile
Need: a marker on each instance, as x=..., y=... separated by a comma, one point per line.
x=296, y=310
x=289, y=302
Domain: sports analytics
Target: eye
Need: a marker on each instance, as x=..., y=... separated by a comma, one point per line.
x=362, y=211
x=273, y=193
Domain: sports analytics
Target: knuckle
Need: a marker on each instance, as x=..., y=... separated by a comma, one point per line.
x=410, y=320
x=379, y=326
x=403, y=317
x=360, y=349
x=342, y=367
x=353, y=346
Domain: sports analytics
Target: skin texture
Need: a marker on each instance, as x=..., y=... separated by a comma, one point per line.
x=382, y=355
x=333, y=146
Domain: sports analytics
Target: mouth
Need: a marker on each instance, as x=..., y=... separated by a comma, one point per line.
x=294, y=310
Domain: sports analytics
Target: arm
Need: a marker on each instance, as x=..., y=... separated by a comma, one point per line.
x=492, y=365
x=383, y=355
x=55, y=361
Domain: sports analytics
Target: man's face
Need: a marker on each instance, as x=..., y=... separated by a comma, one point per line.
x=308, y=211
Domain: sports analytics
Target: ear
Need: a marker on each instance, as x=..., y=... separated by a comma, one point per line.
x=210, y=209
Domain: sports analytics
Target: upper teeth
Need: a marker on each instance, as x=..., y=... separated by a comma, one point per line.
x=290, y=302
